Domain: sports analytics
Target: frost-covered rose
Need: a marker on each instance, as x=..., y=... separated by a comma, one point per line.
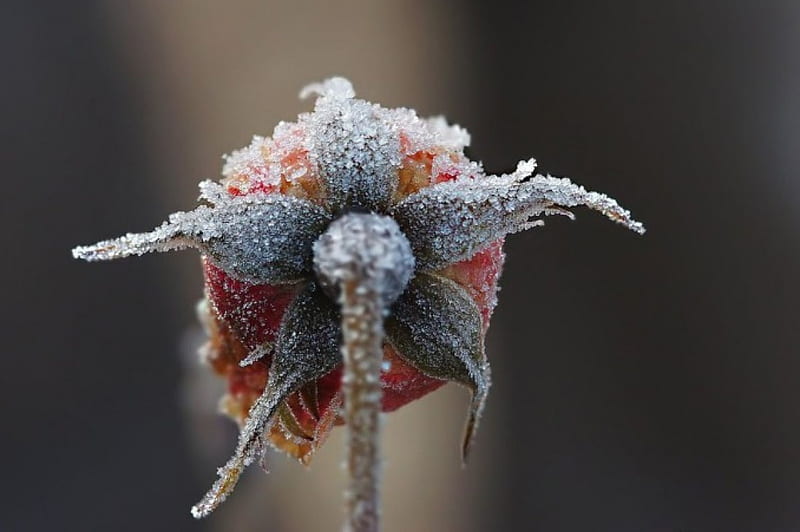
x=272, y=317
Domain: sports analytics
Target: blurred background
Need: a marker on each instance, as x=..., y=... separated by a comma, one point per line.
x=640, y=383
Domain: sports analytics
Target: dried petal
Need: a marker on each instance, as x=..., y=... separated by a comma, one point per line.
x=258, y=239
x=449, y=222
x=307, y=348
x=310, y=396
x=437, y=328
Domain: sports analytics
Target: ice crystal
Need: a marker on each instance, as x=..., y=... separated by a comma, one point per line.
x=453, y=136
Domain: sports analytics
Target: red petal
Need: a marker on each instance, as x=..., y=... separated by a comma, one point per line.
x=253, y=311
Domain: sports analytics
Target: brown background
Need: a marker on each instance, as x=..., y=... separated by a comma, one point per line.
x=641, y=384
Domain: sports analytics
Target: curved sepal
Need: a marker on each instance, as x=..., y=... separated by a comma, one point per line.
x=306, y=349
x=436, y=327
x=257, y=239
x=450, y=222
x=355, y=147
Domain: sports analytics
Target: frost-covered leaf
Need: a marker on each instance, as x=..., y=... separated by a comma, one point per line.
x=259, y=239
x=306, y=349
x=268, y=242
x=450, y=222
x=436, y=327
x=355, y=147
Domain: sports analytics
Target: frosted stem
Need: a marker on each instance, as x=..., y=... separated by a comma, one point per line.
x=362, y=350
x=365, y=262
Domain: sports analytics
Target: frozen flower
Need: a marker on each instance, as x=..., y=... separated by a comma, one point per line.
x=283, y=207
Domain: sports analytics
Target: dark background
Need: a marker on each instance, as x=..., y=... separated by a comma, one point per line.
x=640, y=383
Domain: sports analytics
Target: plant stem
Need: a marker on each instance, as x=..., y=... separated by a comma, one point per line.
x=362, y=332
x=367, y=261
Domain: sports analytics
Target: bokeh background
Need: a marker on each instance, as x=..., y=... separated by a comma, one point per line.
x=643, y=384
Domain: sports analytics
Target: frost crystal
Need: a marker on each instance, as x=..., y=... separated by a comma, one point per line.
x=454, y=136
